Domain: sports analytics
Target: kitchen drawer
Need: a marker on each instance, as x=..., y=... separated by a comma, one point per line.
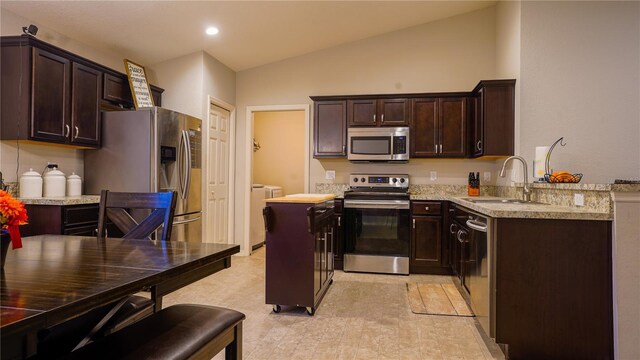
x=80, y=214
x=426, y=208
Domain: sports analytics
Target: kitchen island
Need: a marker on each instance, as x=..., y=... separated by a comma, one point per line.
x=299, y=255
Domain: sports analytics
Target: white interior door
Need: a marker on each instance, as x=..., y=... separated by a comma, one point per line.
x=218, y=175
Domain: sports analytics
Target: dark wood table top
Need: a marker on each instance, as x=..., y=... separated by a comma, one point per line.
x=56, y=277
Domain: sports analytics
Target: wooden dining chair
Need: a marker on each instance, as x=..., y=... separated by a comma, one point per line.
x=119, y=208
x=116, y=207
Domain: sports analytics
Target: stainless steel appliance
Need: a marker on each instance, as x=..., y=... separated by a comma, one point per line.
x=378, y=144
x=151, y=150
x=376, y=220
x=475, y=236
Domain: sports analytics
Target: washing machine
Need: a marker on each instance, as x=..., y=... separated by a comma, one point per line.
x=273, y=191
x=257, y=234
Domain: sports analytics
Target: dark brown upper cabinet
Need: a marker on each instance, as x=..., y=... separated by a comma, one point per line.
x=442, y=125
x=54, y=96
x=438, y=127
x=330, y=129
x=86, y=92
x=493, y=118
x=116, y=92
x=378, y=112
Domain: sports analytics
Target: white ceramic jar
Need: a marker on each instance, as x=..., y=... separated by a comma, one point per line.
x=30, y=185
x=74, y=185
x=54, y=183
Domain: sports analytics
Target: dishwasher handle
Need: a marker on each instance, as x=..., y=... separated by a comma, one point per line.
x=476, y=225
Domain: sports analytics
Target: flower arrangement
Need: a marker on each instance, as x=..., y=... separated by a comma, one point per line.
x=12, y=214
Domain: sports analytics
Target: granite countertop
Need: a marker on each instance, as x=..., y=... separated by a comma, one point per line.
x=524, y=211
x=60, y=201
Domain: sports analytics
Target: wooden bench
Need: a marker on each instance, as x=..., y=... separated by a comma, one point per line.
x=177, y=332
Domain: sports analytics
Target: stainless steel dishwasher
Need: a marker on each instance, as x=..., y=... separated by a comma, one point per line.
x=480, y=270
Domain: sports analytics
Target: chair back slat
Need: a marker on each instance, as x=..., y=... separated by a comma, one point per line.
x=115, y=206
x=147, y=226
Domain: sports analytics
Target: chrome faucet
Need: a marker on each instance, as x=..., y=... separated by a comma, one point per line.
x=526, y=192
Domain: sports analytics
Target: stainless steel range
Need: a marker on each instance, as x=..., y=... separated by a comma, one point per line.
x=377, y=230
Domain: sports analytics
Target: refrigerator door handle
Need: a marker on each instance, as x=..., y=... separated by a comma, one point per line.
x=180, y=158
x=186, y=166
x=180, y=222
x=187, y=149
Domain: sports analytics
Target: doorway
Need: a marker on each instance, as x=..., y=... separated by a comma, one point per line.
x=278, y=157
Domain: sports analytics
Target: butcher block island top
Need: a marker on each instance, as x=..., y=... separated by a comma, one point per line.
x=302, y=198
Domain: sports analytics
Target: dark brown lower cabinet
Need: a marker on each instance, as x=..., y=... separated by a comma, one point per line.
x=428, y=253
x=554, y=289
x=299, y=258
x=81, y=220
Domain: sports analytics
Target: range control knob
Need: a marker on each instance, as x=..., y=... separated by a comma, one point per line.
x=402, y=180
x=362, y=179
x=395, y=180
x=355, y=179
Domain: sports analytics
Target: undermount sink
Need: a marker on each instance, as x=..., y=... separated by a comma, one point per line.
x=503, y=201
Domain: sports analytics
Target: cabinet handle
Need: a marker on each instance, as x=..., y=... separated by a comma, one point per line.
x=66, y=134
x=374, y=118
x=382, y=118
x=479, y=145
x=77, y=133
x=440, y=148
x=414, y=223
x=344, y=149
x=339, y=221
x=452, y=228
x=426, y=208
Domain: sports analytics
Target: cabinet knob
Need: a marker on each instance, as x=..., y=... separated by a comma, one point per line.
x=426, y=208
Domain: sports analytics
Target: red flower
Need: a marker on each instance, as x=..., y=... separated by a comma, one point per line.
x=12, y=214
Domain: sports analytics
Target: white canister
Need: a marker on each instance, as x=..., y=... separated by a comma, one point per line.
x=74, y=185
x=54, y=183
x=30, y=185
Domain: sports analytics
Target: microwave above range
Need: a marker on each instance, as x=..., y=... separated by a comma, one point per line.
x=378, y=144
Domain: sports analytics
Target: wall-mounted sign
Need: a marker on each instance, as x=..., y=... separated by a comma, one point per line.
x=139, y=85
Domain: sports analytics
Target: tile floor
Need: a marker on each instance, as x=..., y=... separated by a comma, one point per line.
x=363, y=316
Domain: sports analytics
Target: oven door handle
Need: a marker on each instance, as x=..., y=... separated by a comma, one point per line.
x=369, y=204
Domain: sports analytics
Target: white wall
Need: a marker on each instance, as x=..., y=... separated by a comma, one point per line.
x=580, y=79
x=447, y=55
x=508, y=43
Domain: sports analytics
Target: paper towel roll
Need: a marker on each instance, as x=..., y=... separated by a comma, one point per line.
x=539, y=160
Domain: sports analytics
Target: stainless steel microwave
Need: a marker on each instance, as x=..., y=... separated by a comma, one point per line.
x=378, y=144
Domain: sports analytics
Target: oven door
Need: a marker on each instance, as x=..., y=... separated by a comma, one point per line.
x=377, y=236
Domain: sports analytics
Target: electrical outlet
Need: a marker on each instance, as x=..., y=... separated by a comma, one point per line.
x=330, y=175
x=433, y=175
x=486, y=176
x=578, y=199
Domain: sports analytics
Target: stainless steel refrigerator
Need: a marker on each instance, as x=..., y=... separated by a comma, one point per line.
x=151, y=150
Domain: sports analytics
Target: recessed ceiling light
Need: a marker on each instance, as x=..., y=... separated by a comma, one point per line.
x=212, y=30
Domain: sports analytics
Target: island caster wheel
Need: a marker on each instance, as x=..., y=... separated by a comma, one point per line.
x=311, y=311
x=277, y=308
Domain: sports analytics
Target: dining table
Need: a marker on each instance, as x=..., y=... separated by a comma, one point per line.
x=54, y=278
